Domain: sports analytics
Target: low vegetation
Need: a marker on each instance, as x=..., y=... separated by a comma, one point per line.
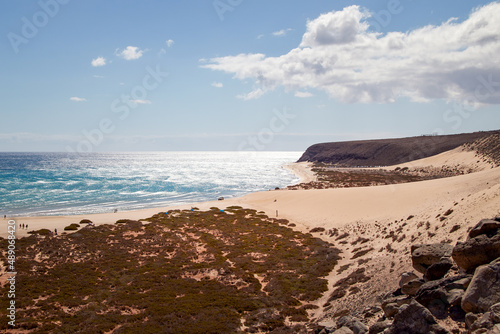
x=183, y=272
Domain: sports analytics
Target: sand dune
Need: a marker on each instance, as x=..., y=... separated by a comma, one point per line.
x=459, y=157
x=332, y=208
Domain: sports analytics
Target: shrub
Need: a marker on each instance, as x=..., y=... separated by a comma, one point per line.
x=42, y=231
x=72, y=227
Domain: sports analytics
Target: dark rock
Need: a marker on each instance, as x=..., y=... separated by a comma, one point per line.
x=484, y=289
x=454, y=297
x=456, y=313
x=484, y=322
x=407, y=277
x=343, y=330
x=485, y=226
x=478, y=250
x=354, y=324
x=416, y=319
x=391, y=306
x=423, y=256
x=495, y=313
x=379, y=326
x=471, y=318
x=439, y=295
x=411, y=288
x=439, y=269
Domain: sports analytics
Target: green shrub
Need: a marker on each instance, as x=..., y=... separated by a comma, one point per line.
x=72, y=227
x=42, y=231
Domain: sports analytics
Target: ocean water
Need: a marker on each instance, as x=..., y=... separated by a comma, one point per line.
x=69, y=183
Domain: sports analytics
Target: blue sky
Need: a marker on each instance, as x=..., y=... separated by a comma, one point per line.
x=243, y=74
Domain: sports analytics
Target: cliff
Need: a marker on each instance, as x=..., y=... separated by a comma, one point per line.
x=387, y=152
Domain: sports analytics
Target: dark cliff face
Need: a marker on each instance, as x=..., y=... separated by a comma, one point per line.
x=386, y=152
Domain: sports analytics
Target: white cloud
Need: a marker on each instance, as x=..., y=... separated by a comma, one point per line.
x=99, y=61
x=303, y=94
x=130, y=53
x=217, y=84
x=281, y=32
x=78, y=99
x=170, y=42
x=141, y=101
x=255, y=94
x=341, y=56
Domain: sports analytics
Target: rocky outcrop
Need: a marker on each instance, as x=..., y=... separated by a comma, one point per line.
x=465, y=292
x=481, y=247
x=416, y=319
x=424, y=257
x=484, y=289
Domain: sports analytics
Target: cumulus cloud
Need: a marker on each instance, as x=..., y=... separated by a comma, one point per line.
x=78, y=99
x=99, y=61
x=170, y=42
x=340, y=55
x=130, y=53
x=217, y=84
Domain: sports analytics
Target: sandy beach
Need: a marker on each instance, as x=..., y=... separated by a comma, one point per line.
x=333, y=208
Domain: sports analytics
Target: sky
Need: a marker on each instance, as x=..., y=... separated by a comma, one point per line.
x=182, y=75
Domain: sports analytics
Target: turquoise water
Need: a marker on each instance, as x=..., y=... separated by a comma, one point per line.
x=67, y=183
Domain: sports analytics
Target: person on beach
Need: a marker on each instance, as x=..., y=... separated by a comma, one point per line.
x=55, y=231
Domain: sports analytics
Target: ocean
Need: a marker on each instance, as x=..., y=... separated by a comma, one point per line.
x=41, y=184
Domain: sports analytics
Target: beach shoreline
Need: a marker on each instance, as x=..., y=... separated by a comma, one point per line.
x=33, y=223
x=327, y=208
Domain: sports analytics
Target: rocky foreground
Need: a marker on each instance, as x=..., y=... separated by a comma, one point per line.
x=452, y=289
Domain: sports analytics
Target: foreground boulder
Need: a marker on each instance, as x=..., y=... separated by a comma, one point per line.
x=424, y=256
x=438, y=270
x=481, y=247
x=416, y=319
x=353, y=324
x=484, y=289
x=443, y=297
